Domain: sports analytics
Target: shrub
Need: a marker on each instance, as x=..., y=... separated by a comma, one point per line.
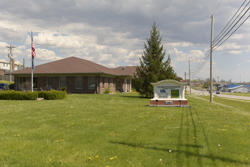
x=107, y=90
x=63, y=88
x=52, y=95
x=117, y=91
x=18, y=95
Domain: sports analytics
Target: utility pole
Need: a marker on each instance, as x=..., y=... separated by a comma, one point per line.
x=211, y=60
x=189, y=77
x=10, y=55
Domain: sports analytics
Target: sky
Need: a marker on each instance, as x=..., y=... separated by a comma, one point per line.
x=113, y=33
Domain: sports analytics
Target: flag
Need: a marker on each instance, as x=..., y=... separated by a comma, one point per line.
x=33, y=50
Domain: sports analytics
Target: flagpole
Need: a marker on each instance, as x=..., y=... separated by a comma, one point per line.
x=31, y=63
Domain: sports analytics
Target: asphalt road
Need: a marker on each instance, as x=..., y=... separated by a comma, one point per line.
x=198, y=92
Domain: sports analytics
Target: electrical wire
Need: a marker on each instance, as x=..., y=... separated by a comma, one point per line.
x=231, y=33
x=231, y=28
x=228, y=23
x=218, y=44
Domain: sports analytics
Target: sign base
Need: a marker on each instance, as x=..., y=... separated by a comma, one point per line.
x=169, y=103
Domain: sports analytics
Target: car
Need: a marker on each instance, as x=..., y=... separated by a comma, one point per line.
x=4, y=86
x=217, y=92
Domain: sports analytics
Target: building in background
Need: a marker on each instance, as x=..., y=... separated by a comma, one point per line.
x=5, y=68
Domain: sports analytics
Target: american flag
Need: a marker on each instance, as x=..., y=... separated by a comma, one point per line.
x=33, y=50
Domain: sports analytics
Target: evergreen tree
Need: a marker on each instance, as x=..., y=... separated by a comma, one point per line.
x=153, y=68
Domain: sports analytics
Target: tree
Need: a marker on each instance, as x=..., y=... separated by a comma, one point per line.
x=152, y=67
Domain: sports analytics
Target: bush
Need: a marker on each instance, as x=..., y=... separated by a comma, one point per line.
x=107, y=90
x=18, y=95
x=52, y=95
x=63, y=88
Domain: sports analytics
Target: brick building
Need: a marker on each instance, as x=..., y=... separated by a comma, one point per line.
x=78, y=75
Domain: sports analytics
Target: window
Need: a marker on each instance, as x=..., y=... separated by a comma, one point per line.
x=22, y=82
x=109, y=82
x=34, y=82
x=78, y=82
x=50, y=82
x=62, y=82
x=114, y=83
x=3, y=64
x=91, y=82
x=103, y=82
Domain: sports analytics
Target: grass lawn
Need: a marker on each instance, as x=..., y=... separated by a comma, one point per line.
x=8, y=82
x=122, y=130
x=237, y=94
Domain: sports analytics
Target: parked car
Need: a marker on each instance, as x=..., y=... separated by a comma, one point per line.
x=2, y=85
x=217, y=92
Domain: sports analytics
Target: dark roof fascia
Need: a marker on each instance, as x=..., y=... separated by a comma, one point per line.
x=53, y=74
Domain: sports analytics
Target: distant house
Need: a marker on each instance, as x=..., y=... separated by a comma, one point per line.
x=78, y=75
x=5, y=68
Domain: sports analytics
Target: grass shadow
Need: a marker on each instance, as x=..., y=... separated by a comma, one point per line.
x=208, y=156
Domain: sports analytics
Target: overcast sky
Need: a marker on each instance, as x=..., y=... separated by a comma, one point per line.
x=113, y=32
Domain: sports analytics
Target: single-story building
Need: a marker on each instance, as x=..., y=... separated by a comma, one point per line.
x=235, y=88
x=78, y=75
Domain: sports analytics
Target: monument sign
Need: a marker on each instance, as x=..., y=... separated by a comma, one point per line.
x=169, y=93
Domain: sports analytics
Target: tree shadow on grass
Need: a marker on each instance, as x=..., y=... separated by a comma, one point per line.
x=187, y=153
x=190, y=124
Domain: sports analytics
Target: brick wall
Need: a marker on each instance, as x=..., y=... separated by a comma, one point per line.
x=56, y=83
x=1, y=72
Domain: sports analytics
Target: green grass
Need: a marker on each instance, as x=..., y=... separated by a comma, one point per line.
x=237, y=94
x=122, y=130
x=7, y=82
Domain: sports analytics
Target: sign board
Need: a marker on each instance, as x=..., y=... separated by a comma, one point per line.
x=174, y=93
x=169, y=93
x=169, y=89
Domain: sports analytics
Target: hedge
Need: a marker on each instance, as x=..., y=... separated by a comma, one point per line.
x=52, y=95
x=18, y=95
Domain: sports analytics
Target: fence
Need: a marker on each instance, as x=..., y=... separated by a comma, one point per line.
x=7, y=77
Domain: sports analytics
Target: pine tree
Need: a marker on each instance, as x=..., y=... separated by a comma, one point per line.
x=152, y=67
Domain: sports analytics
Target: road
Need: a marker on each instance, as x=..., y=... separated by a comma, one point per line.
x=198, y=92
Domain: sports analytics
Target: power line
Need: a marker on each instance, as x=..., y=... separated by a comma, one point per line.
x=232, y=33
x=229, y=22
x=232, y=28
x=218, y=44
x=217, y=7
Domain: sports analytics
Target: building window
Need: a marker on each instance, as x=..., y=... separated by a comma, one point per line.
x=78, y=82
x=62, y=82
x=3, y=64
x=103, y=82
x=91, y=83
x=109, y=81
x=114, y=83
x=22, y=83
x=50, y=82
x=34, y=82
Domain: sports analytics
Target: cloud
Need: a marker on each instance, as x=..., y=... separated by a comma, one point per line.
x=181, y=56
x=43, y=55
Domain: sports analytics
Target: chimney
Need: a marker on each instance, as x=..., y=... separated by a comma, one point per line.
x=13, y=64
